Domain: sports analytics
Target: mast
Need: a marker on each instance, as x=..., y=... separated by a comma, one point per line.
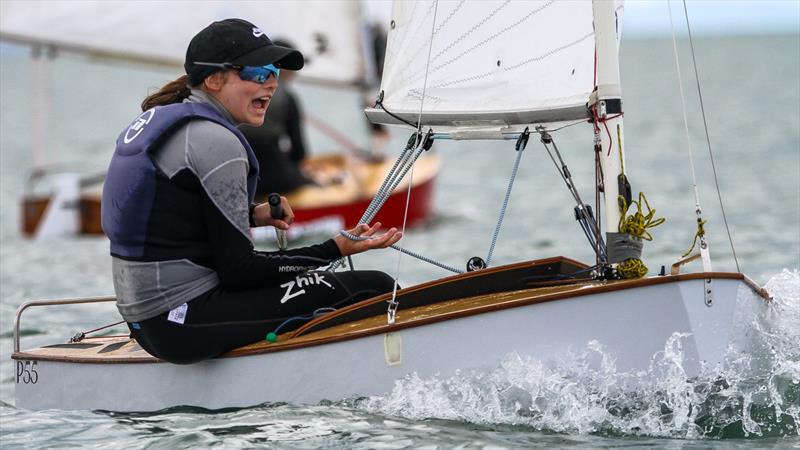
x=609, y=108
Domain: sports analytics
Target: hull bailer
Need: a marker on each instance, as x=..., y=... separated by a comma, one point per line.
x=631, y=324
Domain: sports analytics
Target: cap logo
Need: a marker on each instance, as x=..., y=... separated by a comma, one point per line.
x=257, y=32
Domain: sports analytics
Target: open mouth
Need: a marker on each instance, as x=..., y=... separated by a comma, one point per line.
x=261, y=102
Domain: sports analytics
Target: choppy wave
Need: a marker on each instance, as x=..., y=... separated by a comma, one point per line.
x=755, y=394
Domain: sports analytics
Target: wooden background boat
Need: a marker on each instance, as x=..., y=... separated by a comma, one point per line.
x=336, y=205
x=348, y=199
x=333, y=35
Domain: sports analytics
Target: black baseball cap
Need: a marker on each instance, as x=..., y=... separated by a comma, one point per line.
x=235, y=41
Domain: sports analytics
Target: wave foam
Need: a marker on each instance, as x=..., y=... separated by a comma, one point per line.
x=756, y=393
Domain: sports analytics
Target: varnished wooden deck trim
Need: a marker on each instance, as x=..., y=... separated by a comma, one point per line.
x=477, y=305
x=438, y=282
x=414, y=317
x=128, y=353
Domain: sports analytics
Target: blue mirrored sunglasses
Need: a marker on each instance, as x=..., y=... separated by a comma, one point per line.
x=258, y=74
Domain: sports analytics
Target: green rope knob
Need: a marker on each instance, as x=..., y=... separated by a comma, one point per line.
x=272, y=337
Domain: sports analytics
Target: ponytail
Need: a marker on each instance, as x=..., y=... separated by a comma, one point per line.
x=173, y=92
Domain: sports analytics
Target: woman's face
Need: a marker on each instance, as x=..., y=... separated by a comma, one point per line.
x=246, y=101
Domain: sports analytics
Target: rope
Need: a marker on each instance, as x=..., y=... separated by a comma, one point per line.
x=379, y=198
x=631, y=268
x=505, y=205
x=421, y=143
x=405, y=251
x=636, y=225
x=396, y=175
x=317, y=312
x=708, y=138
x=597, y=120
x=82, y=334
x=389, y=184
x=699, y=234
x=380, y=104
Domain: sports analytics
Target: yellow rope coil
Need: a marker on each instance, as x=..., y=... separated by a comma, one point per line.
x=637, y=224
x=631, y=268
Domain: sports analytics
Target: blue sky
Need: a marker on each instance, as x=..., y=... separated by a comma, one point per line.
x=713, y=17
x=706, y=17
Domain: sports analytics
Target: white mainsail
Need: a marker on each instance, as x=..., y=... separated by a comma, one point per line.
x=488, y=69
x=328, y=32
x=491, y=63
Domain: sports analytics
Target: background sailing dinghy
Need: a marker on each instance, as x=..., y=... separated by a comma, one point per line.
x=334, y=35
x=456, y=70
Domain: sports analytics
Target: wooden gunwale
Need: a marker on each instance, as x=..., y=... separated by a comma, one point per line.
x=486, y=303
x=439, y=282
x=410, y=318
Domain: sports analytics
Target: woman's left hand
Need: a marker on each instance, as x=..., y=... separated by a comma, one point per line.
x=350, y=247
x=262, y=217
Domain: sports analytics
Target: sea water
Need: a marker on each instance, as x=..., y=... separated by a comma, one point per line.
x=751, y=93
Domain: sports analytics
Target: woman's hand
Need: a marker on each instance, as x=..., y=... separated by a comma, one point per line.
x=262, y=217
x=350, y=247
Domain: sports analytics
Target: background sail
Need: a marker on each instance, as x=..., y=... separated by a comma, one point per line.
x=491, y=63
x=326, y=31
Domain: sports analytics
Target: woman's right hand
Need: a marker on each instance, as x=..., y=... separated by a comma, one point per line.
x=349, y=247
x=262, y=216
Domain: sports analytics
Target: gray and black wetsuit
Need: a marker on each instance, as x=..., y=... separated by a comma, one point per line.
x=176, y=207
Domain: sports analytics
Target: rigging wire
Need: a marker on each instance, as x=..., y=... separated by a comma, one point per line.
x=392, y=310
x=397, y=173
x=708, y=138
x=570, y=124
x=698, y=210
x=587, y=222
x=520, y=150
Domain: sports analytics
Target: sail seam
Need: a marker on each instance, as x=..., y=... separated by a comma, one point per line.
x=518, y=65
x=471, y=30
x=490, y=38
x=422, y=45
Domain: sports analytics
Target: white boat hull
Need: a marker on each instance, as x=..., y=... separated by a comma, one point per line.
x=631, y=324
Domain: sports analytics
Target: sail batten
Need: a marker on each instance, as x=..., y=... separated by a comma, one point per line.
x=516, y=62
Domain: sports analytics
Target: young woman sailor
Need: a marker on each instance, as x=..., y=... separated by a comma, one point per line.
x=177, y=207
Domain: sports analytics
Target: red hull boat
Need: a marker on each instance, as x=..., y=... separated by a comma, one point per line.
x=337, y=204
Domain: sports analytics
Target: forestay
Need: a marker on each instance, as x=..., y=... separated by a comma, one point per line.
x=326, y=31
x=492, y=64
